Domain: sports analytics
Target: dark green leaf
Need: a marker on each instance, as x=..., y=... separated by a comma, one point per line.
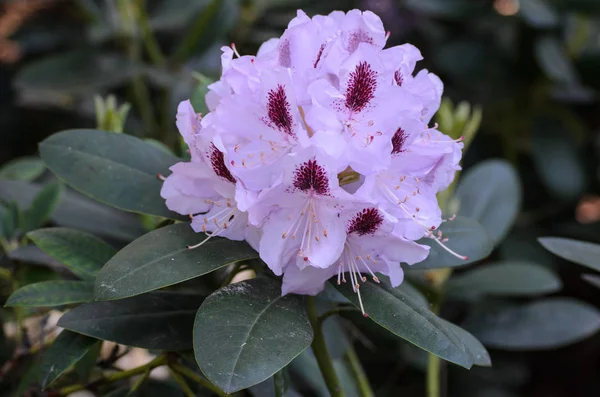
x=545, y=324
x=76, y=210
x=247, y=331
x=86, y=365
x=42, y=207
x=306, y=373
x=80, y=71
x=116, y=169
x=397, y=311
x=580, y=252
x=592, y=279
x=10, y=219
x=480, y=355
x=82, y=253
x=52, y=293
x=23, y=168
x=538, y=13
x=465, y=236
x=490, y=193
x=445, y=8
x=554, y=60
x=158, y=320
x=32, y=254
x=161, y=258
x=557, y=159
x=66, y=350
x=506, y=279
x=197, y=99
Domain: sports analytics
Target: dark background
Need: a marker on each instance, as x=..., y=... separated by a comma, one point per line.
x=533, y=67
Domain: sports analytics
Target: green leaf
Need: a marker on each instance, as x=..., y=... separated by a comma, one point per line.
x=545, y=324
x=76, y=210
x=481, y=357
x=66, y=350
x=554, y=60
x=505, y=279
x=52, y=293
x=32, y=254
x=465, y=236
x=490, y=193
x=23, y=168
x=158, y=320
x=161, y=258
x=400, y=313
x=116, y=169
x=538, y=13
x=198, y=97
x=80, y=71
x=82, y=253
x=42, y=206
x=580, y=252
x=86, y=365
x=10, y=218
x=592, y=279
x=245, y=332
x=557, y=160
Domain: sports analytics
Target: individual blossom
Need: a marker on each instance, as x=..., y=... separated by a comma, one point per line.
x=204, y=188
x=370, y=247
x=300, y=217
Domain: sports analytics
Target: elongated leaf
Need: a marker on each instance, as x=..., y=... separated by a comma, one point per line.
x=81, y=71
x=42, y=206
x=480, y=355
x=465, y=236
x=86, y=365
x=52, y=293
x=580, y=252
x=32, y=254
x=82, y=253
x=116, y=169
x=557, y=159
x=490, y=193
x=160, y=258
x=76, y=210
x=545, y=324
x=23, y=168
x=159, y=320
x=247, y=331
x=592, y=279
x=554, y=60
x=66, y=350
x=506, y=279
x=403, y=315
x=538, y=13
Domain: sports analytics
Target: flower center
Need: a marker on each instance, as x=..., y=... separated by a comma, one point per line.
x=361, y=87
x=398, y=141
x=278, y=110
x=311, y=177
x=365, y=222
x=218, y=164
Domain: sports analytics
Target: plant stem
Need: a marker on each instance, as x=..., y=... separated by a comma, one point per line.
x=182, y=383
x=188, y=373
x=189, y=41
x=434, y=364
x=154, y=51
x=157, y=362
x=320, y=351
x=359, y=373
x=279, y=383
x=335, y=311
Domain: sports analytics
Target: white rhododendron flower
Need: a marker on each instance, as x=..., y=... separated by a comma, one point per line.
x=319, y=152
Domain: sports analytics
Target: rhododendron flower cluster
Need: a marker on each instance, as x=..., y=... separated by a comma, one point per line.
x=319, y=151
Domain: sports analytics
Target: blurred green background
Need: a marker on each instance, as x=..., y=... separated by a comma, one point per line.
x=531, y=66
